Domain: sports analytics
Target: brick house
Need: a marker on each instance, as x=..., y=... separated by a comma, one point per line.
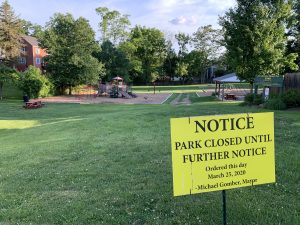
x=31, y=54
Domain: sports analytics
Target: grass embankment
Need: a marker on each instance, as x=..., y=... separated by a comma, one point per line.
x=111, y=164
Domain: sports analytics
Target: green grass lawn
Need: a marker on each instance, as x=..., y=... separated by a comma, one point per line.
x=111, y=164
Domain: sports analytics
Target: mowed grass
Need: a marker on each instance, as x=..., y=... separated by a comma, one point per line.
x=111, y=164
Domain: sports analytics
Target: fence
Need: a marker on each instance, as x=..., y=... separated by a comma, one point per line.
x=292, y=81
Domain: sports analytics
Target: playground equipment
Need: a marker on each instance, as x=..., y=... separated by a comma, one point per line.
x=116, y=89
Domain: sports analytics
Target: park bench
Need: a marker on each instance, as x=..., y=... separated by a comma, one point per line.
x=33, y=105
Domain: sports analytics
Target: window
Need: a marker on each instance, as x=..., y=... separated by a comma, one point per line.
x=37, y=51
x=23, y=49
x=22, y=60
x=37, y=61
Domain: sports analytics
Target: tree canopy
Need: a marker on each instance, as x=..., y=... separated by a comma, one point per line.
x=70, y=44
x=10, y=33
x=255, y=38
x=113, y=25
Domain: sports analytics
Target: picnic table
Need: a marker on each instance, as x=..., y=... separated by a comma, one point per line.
x=230, y=97
x=33, y=105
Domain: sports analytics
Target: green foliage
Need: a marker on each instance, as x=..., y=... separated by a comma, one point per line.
x=275, y=103
x=291, y=98
x=71, y=44
x=115, y=61
x=113, y=25
x=10, y=33
x=146, y=51
x=253, y=99
x=31, y=29
x=34, y=84
x=183, y=41
x=182, y=69
x=255, y=38
x=7, y=75
x=198, y=63
x=208, y=41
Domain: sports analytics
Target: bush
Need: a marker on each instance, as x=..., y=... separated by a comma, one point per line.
x=249, y=99
x=34, y=84
x=275, y=104
x=291, y=98
x=252, y=99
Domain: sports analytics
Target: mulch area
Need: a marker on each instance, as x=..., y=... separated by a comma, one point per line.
x=91, y=99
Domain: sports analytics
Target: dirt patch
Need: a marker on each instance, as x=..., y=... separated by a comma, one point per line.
x=89, y=99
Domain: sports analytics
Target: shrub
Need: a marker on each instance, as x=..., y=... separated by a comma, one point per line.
x=291, y=98
x=252, y=99
x=275, y=104
x=249, y=99
x=34, y=84
x=259, y=99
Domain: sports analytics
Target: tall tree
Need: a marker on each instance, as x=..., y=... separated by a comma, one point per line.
x=150, y=49
x=31, y=29
x=115, y=61
x=198, y=64
x=70, y=44
x=113, y=25
x=208, y=41
x=10, y=33
x=183, y=41
x=255, y=38
x=294, y=31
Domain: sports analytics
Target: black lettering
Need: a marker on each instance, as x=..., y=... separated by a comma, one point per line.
x=202, y=127
x=238, y=123
x=209, y=125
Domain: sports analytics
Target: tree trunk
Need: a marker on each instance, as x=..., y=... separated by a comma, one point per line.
x=70, y=90
x=251, y=87
x=1, y=90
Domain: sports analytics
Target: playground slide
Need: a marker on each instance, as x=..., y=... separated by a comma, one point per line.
x=125, y=94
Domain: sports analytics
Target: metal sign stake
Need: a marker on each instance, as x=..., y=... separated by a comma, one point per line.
x=224, y=208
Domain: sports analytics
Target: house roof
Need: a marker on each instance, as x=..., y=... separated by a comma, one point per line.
x=31, y=40
x=228, y=78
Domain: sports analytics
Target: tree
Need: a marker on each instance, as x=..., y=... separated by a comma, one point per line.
x=113, y=25
x=10, y=33
x=170, y=62
x=7, y=74
x=208, y=41
x=115, y=61
x=198, y=64
x=294, y=32
x=70, y=44
x=183, y=41
x=182, y=70
x=255, y=38
x=34, y=30
x=148, y=49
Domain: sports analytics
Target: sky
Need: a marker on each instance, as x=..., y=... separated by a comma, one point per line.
x=170, y=16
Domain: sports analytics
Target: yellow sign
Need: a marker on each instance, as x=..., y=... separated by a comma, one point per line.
x=211, y=153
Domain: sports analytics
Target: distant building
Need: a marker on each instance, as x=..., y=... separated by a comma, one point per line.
x=31, y=54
